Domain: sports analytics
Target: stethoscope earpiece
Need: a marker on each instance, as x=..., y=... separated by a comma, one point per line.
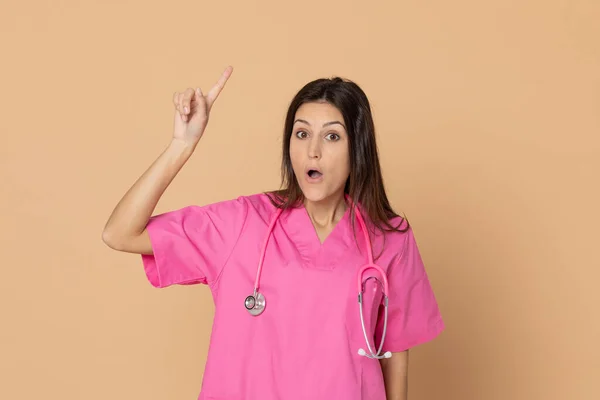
x=362, y=352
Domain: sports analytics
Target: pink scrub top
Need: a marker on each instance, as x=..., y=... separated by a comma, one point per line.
x=305, y=343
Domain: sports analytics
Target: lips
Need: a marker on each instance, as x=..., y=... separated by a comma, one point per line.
x=313, y=174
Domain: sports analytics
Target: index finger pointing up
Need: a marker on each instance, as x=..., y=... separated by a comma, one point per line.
x=216, y=89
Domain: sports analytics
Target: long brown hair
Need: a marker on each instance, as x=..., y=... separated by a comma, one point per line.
x=365, y=182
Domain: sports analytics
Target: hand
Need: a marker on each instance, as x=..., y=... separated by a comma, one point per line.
x=192, y=109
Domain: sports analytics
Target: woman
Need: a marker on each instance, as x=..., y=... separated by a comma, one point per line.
x=287, y=323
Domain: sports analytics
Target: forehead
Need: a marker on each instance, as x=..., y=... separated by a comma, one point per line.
x=318, y=113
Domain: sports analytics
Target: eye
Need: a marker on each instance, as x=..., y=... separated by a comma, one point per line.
x=301, y=134
x=333, y=136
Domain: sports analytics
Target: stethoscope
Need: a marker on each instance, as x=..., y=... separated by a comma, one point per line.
x=255, y=303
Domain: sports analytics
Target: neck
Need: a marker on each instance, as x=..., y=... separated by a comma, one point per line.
x=327, y=212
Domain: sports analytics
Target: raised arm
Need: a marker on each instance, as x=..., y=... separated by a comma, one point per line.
x=125, y=229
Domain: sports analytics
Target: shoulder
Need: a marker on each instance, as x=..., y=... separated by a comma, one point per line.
x=248, y=205
x=258, y=201
x=398, y=240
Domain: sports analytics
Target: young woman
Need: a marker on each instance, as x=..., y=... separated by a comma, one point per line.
x=286, y=267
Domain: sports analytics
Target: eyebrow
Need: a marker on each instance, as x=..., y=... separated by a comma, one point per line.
x=324, y=125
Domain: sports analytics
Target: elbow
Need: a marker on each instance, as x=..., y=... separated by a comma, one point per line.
x=111, y=240
x=119, y=241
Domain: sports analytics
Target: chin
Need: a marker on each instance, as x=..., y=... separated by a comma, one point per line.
x=316, y=194
x=313, y=196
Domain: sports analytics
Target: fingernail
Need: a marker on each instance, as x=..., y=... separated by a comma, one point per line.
x=186, y=109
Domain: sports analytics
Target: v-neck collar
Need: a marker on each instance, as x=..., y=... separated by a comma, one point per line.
x=314, y=254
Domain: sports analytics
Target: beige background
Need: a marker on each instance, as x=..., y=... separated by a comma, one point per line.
x=488, y=121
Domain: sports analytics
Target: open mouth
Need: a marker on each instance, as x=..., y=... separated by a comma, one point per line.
x=314, y=173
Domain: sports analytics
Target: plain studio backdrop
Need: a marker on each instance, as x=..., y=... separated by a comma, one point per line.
x=488, y=124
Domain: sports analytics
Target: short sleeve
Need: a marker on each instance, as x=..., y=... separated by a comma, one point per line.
x=191, y=245
x=413, y=313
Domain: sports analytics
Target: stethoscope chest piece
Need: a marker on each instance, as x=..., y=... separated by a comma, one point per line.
x=255, y=304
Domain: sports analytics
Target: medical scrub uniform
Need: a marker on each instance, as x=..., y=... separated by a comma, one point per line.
x=304, y=346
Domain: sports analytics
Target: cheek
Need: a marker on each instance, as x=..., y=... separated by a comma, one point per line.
x=341, y=160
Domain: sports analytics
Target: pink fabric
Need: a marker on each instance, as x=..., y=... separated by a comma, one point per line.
x=305, y=344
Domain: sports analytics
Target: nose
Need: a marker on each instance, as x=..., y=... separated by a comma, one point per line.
x=314, y=148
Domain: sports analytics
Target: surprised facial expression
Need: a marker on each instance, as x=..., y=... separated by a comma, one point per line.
x=319, y=150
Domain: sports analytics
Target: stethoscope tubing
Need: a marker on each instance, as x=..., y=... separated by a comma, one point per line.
x=259, y=299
